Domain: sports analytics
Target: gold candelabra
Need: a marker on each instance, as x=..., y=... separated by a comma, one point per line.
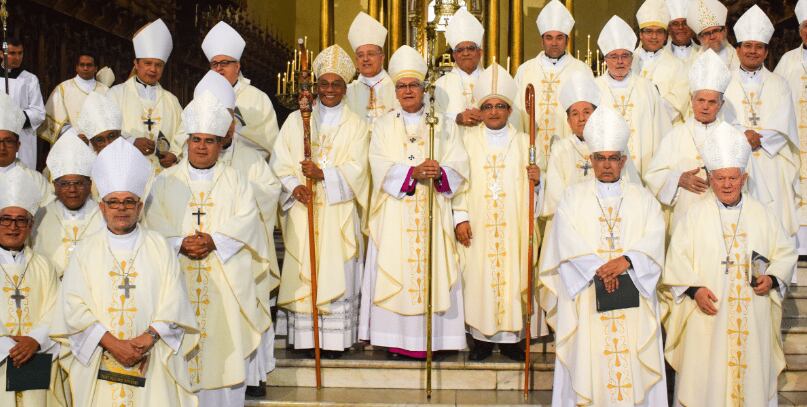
x=288, y=81
x=592, y=59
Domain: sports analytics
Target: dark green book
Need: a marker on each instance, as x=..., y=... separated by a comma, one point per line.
x=32, y=375
x=626, y=296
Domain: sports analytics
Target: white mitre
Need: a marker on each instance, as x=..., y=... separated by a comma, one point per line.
x=708, y=72
x=205, y=114
x=70, y=156
x=616, y=34
x=801, y=11
x=579, y=87
x=495, y=82
x=334, y=60
x=554, y=17
x=223, y=40
x=462, y=27
x=11, y=116
x=678, y=8
x=20, y=190
x=753, y=25
x=105, y=76
x=406, y=62
x=702, y=14
x=99, y=113
x=606, y=130
x=653, y=13
x=218, y=85
x=726, y=147
x=121, y=167
x=366, y=30
x=153, y=41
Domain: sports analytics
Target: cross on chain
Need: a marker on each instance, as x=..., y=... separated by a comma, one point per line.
x=198, y=215
x=149, y=121
x=585, y=167
x=611, y=238
x=749, y=103
x=727, y=263
x=126, y=286
x=17, y=297
x=754, y=119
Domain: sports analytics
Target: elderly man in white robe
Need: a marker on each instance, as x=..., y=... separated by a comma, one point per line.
x=393, y=309
x=635, y=98
x=339, y=172
x=29, y=290
x=487, y=215
x=73, y=215
x=123, y=307
x=707, y=19
x=454, y=91
x=654, y=62
x=761, y=103
x=373, y=94
x=728, y=266
x=223, y=47
x=12, y=120
x=791, y=67
x=151, y=114
x=682, y=43
x=24, y=89
x=547, y=72
x=607, y=241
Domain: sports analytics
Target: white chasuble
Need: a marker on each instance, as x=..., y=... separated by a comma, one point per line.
x=669, y=74
x=546, y=75
x=454, y=93
x=712, y=247
x=394, y=285
x=147, y=117
x=686, y=53
x=122, y=290
x=64, y=106
x=259, y=120
x=58, y=231
x=638, y=102
x=27, y=298
x=371, y=98
x=612, y=358
x=222, y=286
x=494, y=267
x=761, y=101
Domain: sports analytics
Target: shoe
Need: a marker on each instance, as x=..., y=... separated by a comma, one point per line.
x=257, y=391
x=481, y=351
x=512, y=351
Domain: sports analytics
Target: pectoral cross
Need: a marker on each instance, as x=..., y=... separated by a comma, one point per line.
x=727, y=263
x=126, y=286
x=585, y=167
x=495, y=189
x=17, y=297
x=611, y=238
x=198, y=215
x=323, y=161
x=754, y=119
x=148, y=122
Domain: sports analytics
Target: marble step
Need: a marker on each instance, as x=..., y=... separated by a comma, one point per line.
x=795, y=303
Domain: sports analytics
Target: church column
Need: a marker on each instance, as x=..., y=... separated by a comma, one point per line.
x=570, y=42
x=325, y=24
x=374, y=9
x=491, y=30
x=396, y=24
x=515, y=34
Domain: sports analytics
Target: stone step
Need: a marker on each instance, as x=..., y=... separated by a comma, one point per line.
x=795, y=303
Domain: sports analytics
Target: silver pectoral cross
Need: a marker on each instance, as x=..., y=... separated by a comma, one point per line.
x=17, y=297
x=727, y=263
x=611, y=239
x=754, y=119
x=126, y=286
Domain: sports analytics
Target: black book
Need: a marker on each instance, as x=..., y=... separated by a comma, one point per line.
x=33, y=375
x=626, y=296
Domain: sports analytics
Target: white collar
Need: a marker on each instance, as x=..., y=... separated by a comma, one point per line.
x=691, y=43
x=646, y=55
x=705, y=126
x=330, y=116
x=731, y=208
x=9, y=167
x=750, y=75
x=79, y=213
x=465, y=75
x=413, y=118
x=614, y=83
x=552, y=61
x=374, y=80
x=86, y=85
x=496, y=132
x=200, y=174
x=123, y=242
x=607, y=190
x=12, y=257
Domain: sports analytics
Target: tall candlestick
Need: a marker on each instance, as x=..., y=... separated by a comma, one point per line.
x=277, y=91
x=284, y=85
x=508, y=64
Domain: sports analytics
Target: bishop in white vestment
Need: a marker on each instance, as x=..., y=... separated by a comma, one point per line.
x=607, y=234
x=682, y=43
x=707, y=19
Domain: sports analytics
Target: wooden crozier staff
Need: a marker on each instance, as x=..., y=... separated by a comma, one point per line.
x=305, y=100
x=530, y=103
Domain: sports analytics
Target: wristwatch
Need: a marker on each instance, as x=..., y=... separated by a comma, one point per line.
x=154, y=336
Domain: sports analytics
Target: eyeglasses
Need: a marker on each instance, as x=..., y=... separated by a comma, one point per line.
x=128, y=203
x=613, y=159
x=653, y=31
x=9, y=142
x=497, y=106
x=408, y=86
x=678, y=24
x=368, y=54
x=335, y=85
x=619, y=57
x=63, y=184
x=711, y=33
x=104, y=140
x=223, y=64
x=209, y=141
x=21, y=222
x=469, y=48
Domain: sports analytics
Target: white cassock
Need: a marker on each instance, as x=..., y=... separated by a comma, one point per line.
x=64, y=105
x=148, y=111
x=761, y=101
x=45, y=187
x=122, y=284
x=259, y=128
x=792, y=68
x=221, y=286
x=744, y=339
x=38, y=286
x=25, y=91
x=454, y=93
x=495, y=203
x=339, y=147
x=727, y=54
x=638, y=102
x=669, y=74
x=393, y=289
x=546, y=75
x=252, y=165
x=373, y=97
x=59, y=230
x=686, y=53
x=612, y=358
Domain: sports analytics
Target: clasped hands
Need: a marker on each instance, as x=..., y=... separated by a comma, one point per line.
x=197, y=246
x=610, y=271
x=128, y=352
x=707, y=300
x=148, y=147
x=23, y=351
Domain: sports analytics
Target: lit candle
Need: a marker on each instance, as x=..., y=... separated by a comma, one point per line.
x=508, y=64
x=294, y=67
x=288, y=69
x=284, y=84
x=277, y=92
x=305, y=42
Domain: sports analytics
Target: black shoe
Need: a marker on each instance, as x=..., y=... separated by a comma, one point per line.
x=257, y=391
x=512, y=351
x=481, y=351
